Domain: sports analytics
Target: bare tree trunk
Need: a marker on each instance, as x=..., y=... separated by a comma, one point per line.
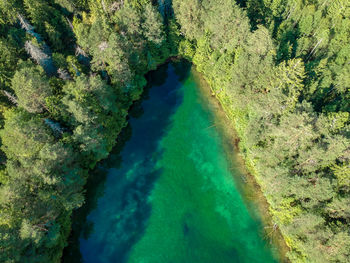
x=10, y=97
x=315, y=47
x=63, y=74
x=70, y=23
x=40, y=57
x=28, y=27
x=24, y=23
x=80, y=51
x=104, y=6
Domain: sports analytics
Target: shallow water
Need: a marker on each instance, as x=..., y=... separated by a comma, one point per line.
x=169, y=194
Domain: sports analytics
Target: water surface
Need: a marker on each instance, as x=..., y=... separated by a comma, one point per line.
x=169, y=194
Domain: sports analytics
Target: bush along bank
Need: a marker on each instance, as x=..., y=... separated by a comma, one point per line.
x=69, y=71
x=294, y=139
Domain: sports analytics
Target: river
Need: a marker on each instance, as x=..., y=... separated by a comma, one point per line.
x=167, y=193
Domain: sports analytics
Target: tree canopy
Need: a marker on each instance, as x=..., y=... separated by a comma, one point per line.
x=70, y=70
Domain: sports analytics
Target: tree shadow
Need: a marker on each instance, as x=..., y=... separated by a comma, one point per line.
x=126, y=213
x=81, y=226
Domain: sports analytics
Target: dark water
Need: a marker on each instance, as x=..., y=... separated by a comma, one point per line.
x=167, y=194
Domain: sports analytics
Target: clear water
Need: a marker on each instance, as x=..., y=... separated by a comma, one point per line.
x=169, y=195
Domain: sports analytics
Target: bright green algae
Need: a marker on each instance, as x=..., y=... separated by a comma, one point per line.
x=173, y=197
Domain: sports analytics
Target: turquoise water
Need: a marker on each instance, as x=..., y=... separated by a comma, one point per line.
x=168, y=193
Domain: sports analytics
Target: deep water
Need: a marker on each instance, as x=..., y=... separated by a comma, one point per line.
x=167, y=192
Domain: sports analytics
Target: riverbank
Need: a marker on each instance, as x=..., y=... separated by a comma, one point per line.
x=247, y=179
x=185, y=189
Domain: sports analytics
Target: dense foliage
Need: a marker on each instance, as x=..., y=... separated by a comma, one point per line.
x=283, y=77
x=70, y=69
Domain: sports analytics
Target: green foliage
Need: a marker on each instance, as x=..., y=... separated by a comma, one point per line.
x=87, y=98
x=8, y=61
x=188, y=15
x=317, y=32
x=9, y=10
x=23, y=135
x=280, y=68
x=342, y=173
x=31, y=87
x=289, y=104
x=153, y=25
x=47, y=21
x=66, y=122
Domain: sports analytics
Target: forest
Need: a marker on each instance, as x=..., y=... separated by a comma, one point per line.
x=70, y=70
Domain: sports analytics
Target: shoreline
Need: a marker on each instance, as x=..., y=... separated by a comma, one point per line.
x=248, y=185
x=253, y=197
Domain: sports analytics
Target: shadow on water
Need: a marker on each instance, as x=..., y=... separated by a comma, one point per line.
x=116, y=210
x=81, y=226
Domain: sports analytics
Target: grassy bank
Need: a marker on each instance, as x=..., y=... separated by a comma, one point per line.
x=294, y=142
x=248, y=180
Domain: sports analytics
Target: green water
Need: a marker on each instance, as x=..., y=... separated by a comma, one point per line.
x=169, y=195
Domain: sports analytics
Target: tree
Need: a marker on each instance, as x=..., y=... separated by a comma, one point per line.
x=89, y=98
x=24, y=135
x=153, y=25
x=9, y=10
x=8, y=61
x=342, y=173
x=188, y=14
x=31, y=87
